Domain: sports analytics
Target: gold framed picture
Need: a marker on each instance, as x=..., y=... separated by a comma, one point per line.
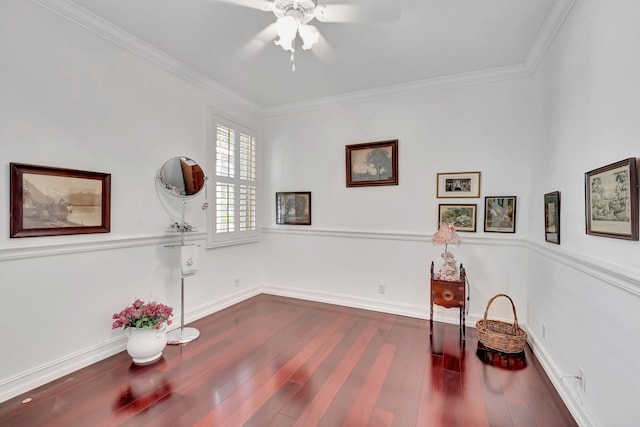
x=458, y=185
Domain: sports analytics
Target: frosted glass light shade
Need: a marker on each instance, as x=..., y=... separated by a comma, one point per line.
x=309, y=34
x=286, y=28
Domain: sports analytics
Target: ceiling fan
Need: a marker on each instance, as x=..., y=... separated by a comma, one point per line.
x=294, y=17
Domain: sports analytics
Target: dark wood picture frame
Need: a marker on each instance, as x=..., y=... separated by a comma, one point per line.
x=462, y=216
x=552, y=217
x=49, y=201
x=611, y=200
x=372, y=164
x=458, y=185
x=500, y=214
x=293, y=208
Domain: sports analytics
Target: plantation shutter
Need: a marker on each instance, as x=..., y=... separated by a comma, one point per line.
x=235, y=184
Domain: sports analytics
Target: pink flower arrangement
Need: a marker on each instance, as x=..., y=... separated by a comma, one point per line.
x=142, y=314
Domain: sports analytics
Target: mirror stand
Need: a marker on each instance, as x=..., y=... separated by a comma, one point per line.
x=183, y=179
x=182, y=335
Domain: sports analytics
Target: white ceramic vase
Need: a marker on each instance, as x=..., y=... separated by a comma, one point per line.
x=145, y=345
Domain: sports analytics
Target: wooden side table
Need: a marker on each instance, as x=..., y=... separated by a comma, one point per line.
x=449, y=294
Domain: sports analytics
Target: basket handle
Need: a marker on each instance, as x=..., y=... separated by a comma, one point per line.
x=515, y=316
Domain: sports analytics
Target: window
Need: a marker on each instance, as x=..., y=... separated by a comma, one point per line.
x=234, y=159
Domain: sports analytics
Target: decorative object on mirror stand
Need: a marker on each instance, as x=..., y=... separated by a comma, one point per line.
x=447, y=235
x=183, y=179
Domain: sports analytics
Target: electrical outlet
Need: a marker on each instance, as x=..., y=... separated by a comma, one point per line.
x=237, y=282
x=582, y=384
x=382, y=289
x=544, y=331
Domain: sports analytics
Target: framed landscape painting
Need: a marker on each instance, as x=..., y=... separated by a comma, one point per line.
x=372, y=163
x=293, y=208
x=463, y=217
x=611, y=200
x=552, y=217
x=458, y=185
x=500, y=214
x=49, y=201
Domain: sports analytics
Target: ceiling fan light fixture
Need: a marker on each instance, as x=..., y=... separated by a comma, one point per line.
x=309, y=35
x=306, y=8
x=293, y=16
x=287, y=29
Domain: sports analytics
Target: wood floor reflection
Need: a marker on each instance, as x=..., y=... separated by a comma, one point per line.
x=274, y=361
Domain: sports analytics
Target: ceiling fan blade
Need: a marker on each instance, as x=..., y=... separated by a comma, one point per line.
x=372, y=11
x=264, y=5
x=323, y=50
x=260, y=40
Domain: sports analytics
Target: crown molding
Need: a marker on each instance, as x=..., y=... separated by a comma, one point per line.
x=70, y=11
x=428, y=85
x=553, y=22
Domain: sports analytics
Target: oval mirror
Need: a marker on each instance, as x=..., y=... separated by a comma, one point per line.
x=182, y=177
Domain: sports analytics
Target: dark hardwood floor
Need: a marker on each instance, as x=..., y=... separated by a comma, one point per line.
x=273, y=361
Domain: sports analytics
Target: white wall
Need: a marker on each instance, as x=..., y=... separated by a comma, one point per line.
x=587, y=291
x=363, y=237
x=528, y=137
x=72, y=99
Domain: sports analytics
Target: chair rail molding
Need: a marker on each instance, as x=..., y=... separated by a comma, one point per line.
x=390, y=235
x=16, y=251
x=620, y=276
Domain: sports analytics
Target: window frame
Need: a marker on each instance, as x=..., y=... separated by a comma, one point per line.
x=236, y=237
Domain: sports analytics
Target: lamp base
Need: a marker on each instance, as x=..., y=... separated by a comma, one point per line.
x=448, y=270
x=182, y=336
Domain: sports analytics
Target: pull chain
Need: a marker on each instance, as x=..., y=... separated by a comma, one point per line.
x=293, y=59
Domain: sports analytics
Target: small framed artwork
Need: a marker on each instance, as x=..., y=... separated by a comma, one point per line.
x=552, y=217
x=458, y=184
x=293, y=208
x=463, y=217
x=372, y=163
x=611, y=200
x=48, y=201
x=500, y=214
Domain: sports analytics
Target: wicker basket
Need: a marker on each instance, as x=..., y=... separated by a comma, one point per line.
x=501, y=336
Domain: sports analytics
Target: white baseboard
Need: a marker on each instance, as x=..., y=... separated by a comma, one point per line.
x=58, y=368
x=415, y=311
x=41, y=375
x=569, y=397
x=215, y=306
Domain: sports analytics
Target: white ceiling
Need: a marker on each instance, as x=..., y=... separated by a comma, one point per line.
x=417, y=41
